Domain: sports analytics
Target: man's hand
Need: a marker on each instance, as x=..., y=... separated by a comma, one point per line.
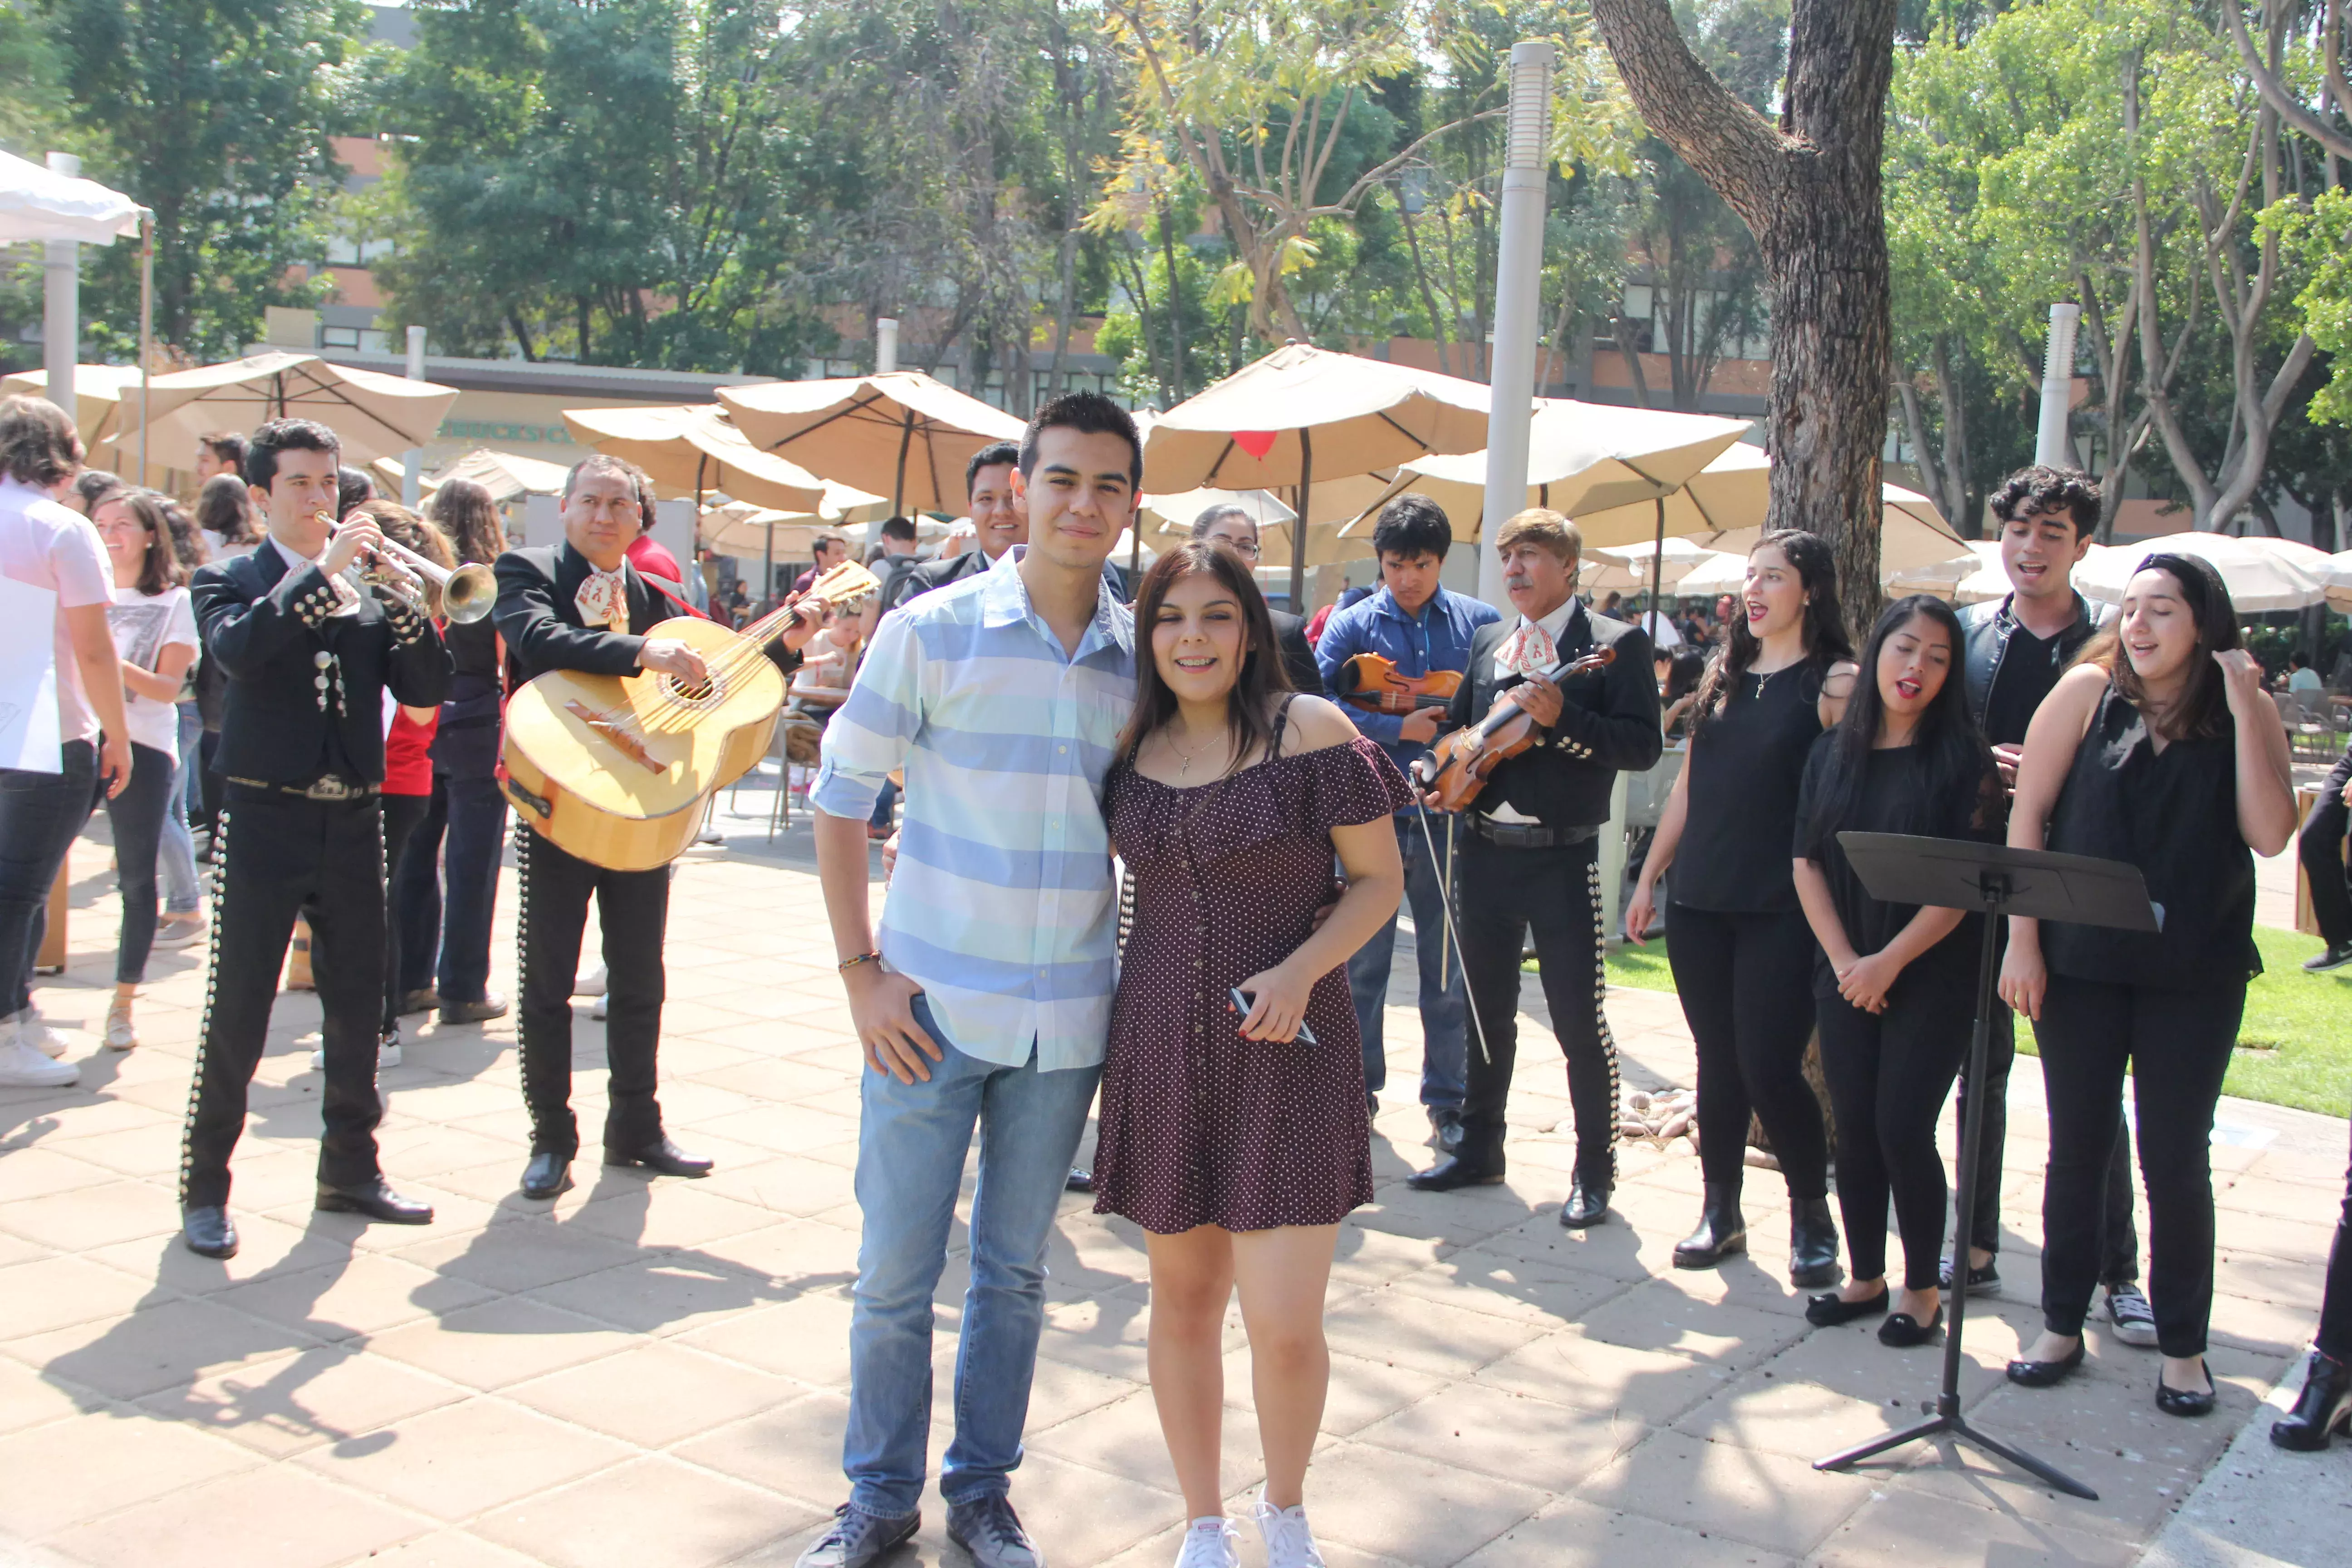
x=2348, y=792
x=1539, y=697
x=114, y=763
x=673, y=657
x=800, y=629
x=2006, y=758
x=882, y=1009
x=1420, y=726
x=350, y=540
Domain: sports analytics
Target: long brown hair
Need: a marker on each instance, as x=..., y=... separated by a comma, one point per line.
x=464, y=510
x=165, y=563
x=226, y=507
x=1248, y=705
x=2204, y=707
x=1825, y=631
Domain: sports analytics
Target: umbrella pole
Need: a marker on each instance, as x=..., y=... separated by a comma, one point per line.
x=1298, y=523
x=899, y=487
x=768, y=564
x=146, y=333
x=1657, y=562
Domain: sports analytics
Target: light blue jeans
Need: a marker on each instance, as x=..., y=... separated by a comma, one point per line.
x=912, y=1141
x=176, y=851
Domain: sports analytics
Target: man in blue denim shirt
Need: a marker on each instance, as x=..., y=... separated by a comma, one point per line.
x=1418, y=627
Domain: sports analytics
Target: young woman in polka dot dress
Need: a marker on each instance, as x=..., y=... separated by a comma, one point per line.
x=1236, y=1144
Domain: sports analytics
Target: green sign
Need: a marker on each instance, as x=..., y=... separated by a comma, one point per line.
x=498, y=430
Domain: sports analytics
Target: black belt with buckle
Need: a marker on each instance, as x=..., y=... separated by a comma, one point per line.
x=1518, y=836
x=327, y=786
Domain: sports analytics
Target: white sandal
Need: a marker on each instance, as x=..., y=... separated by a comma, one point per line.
x=120, y=1035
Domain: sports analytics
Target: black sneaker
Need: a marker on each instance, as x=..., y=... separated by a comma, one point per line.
x=988, y=1529
x=858, y=1538
x=1981, y=1281
x=2338, y=956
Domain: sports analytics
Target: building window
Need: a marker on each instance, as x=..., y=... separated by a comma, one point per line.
x=339, y=337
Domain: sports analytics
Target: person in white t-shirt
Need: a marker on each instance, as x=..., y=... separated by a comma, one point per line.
x=47, y=546
x=154, y=627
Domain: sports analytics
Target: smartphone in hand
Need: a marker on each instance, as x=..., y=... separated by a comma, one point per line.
x=1243, y=1002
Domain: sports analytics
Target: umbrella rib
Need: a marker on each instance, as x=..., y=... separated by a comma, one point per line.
x=1225, y=452
x=856, y=405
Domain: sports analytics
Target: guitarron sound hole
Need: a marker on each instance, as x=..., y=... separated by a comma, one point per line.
x=695, y=692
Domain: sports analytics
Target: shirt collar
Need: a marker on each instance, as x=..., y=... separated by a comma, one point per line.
x=1384, y=602
x=1556, y=623
x=294, y=559
x=1004, y=602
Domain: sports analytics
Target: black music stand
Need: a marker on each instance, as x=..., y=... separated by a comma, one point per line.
x=1955, y=874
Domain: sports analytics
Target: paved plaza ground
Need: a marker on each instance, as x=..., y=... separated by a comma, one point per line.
x=651, y=1373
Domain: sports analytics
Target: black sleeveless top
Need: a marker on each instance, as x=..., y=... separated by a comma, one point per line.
x=1747, y=764
x=2174, y=815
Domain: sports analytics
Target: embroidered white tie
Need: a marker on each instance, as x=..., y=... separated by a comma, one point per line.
x=601, y=600
x=1526, y=651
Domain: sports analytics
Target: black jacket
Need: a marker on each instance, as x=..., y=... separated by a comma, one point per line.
x=268, y=628
x=942, y=571
x=1988, y=625
x=467, y=744
x=1608, y=722
x=539, y=615
x=1298, y=653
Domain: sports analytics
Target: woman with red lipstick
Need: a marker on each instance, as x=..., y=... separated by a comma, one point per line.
x=2160, y=749
x=1893, y=982
x=1741, y=951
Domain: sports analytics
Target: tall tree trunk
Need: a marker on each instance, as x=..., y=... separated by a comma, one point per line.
x=1428, y=295
x=1062, y=313
x=1810, y=191
x=1175, y=303
x=1954, y=499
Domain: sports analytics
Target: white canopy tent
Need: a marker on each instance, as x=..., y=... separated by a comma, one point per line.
x=65, y=210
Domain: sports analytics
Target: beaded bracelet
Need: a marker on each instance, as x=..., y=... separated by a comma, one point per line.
x=847, y=965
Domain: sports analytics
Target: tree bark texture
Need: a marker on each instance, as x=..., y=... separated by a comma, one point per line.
x=1809, y=191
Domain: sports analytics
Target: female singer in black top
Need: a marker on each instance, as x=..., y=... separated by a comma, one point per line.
x=2158, y=748
x=1742, y=951
x=1893, y=983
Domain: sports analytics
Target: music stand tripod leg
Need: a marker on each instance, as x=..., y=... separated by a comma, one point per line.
x=1948, y=1416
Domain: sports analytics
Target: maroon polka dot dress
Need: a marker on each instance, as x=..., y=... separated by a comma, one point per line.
x=1199, y=1126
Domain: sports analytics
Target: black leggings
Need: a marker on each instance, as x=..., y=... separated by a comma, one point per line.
x=136, y=816
x=1747, y=984
x=2177, y=1045
x=2336, y=1306
x=1889, y=1074
x=401, y=813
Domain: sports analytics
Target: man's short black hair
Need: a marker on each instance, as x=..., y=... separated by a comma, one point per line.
x=1413, y=525
x=2045, y=489
x=2296, y=660
x=989, y=456
x=1089, y=413
x=227, y=448
x=899, y=528
x=286, y=435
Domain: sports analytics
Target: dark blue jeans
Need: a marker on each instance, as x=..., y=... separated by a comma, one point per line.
x=1445, y=1015
x=137, y=817
x=39, y=816
x=463, y=837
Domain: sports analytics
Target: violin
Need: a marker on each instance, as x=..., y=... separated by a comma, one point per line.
x=1458, y=767
x=1370, y=681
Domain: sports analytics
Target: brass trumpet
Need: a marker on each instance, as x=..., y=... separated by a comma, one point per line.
x=467, y=593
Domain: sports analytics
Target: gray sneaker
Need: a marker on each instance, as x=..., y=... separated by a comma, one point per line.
x=858, y=1538
x=988, y=1529
x=2134, y=1319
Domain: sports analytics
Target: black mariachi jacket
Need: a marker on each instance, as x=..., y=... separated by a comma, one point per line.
x=305, y=686
x=539, y=615
x=1608, y=722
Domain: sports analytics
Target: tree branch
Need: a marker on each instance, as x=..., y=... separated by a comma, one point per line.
x=2275, y=91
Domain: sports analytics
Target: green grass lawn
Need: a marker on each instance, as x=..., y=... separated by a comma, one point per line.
x=2293, y=1049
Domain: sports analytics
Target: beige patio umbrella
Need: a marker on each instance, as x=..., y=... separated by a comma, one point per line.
x=507, y=476
x=693, y=449
x=904, y=434
x=100, y=392
x=1629, y=568
x=739, y=529
x=374, y=416
x=2339, y=581
x=2258, y=576
x=1912, y=537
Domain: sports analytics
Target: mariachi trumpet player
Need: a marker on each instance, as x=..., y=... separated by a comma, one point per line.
x=310, y=652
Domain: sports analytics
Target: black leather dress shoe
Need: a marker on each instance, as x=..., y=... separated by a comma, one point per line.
x=2046, y=1373
x=1080, y=1180
x=2186, y=1401
x=1587, y=1206
x=663, y=1158
x=209, y=1233
x=1454, y=1173
x=548, y=1174
x=1721, y=1231
x=1903, y=1331
x=377, y=1201
x=1828, y=1311
x=2321, y=1410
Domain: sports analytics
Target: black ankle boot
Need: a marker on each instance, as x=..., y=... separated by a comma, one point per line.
x=1813, y=1243
x=2325, y=1406
x=1721, y=1232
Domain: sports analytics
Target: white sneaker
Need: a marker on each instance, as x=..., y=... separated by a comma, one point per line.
x=387, y=1054
x=35, y=1031
x=602, y=1008
x=23, y=1066
x=1288, y=1543
x=179, y=930
x=589, y=981
x=1212, y=1542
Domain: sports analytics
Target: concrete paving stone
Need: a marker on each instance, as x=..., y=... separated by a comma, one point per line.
x=448, y=1548
x=500, y=1342
x=81, y=1218
x=366, y=1294
x=2286, y=1235
x=1444, y=1217
x=1573, y=1368
x=37, y=1173
x=2264, y=1327
x=1409, y=1507
x=58, y=1292
x=1933, y=1532
x=455, y=1462
x=1360, y=1393
x=521, y=1254
x=451, y=1211
x=270, y=1518
x=784, y=1128
x=1657, y=1316
x=1059, y=1392
x=69, y=1472
x=654, y=1395
x=792, y=1255
x=1510, y=1287
x=1576, y=1534
x=265, y=1245
x=29, y=1398
x=1104, y=1335
x=661, y=1291
x=15, y=1250
x=332, y=1394
x=793, y=1448
x=664, y=1212
x=2254, y=1277
x=654, y=1510
x=1374, y=1256
x=159, y=1346
x=1425, y=1335
x=65, y=1116
x=1478, y=1427
x=1766, y=1499
x=805, y=1338
x=778, y=1080
x=1623, y=1249
x=798, y=1183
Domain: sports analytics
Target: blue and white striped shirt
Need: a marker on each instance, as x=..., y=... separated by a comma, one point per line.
x=1002, y=907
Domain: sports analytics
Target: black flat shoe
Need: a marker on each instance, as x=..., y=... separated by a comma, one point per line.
x=664, y=1158
x=209, y=1233
x=2046, y=1373
x=2321, y=1410
x=1980, y=1279
x=548, y=1174
x=1457, y=1172
x=377, y=1201
x=1080, y=1180
x=1721, y=1231
x=2186, y=1401
x=1812, y=1244
x=1828, y=1311
x=1587, y=1206
x=1902, y=1331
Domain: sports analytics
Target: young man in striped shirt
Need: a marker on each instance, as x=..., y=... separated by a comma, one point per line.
x=986, y=999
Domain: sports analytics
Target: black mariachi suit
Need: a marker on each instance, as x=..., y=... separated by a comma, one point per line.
x=1608, y=722
x=304, y=703
x=539, y=616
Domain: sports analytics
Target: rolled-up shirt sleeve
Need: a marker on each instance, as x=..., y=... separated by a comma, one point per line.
x=875, y=730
